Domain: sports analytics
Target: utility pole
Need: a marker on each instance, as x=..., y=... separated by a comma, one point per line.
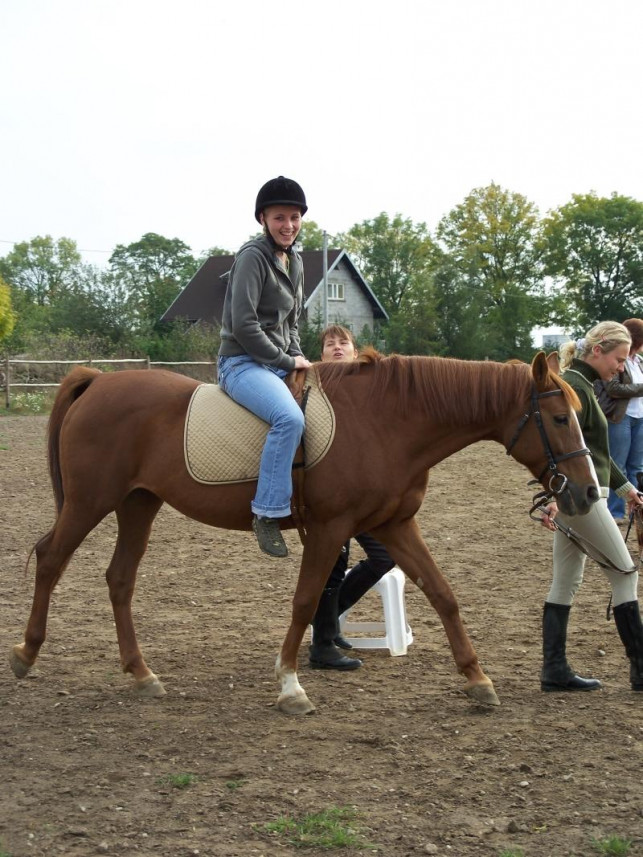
x=325, y=280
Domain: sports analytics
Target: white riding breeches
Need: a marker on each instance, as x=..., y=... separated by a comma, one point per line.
x=597, y=526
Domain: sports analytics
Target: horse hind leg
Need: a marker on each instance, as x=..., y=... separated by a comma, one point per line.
x=135, y=517
x=53, y=553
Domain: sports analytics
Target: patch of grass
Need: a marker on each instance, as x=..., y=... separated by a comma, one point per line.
x=234, y=784
x=29, y=403
x=179, y=781
x=612, y=846
x=330, y=828
x=4, y=853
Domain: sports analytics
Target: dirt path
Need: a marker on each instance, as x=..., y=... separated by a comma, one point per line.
x=85, y=768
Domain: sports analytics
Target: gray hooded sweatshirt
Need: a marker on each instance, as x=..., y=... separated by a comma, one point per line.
x=262, y=306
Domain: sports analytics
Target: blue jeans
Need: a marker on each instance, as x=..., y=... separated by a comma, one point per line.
x=626, y=448
x=261, y=389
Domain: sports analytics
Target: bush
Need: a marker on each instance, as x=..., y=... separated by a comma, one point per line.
x=30, y=403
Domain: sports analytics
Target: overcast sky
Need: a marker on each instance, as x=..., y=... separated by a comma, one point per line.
x=121, y=117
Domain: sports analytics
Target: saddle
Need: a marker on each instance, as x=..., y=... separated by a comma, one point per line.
x=223, y=441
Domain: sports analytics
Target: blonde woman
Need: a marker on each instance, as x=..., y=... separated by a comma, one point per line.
x=600, y=355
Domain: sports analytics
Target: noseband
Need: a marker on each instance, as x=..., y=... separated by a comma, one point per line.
x=557, y=480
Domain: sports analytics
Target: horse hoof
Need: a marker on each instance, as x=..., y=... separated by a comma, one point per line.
x=299, y=704
x=19, y=666
x=149, y=687
x=483, y=694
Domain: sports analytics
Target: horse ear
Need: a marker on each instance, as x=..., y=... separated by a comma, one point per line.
x=540, y=371
x=553, y=362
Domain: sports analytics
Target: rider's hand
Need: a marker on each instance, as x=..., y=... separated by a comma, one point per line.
x=549, y=513
x=301, y=362
x=634, y=500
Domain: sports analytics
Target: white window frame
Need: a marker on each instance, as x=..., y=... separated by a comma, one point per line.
x=336, y=291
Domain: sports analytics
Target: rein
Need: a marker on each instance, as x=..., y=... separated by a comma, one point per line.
x=557, y=484
x=540, y=500
x=557, y=480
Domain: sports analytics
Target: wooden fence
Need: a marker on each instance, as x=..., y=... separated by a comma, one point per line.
x=144, y=362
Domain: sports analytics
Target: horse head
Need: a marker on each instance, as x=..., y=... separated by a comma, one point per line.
x=549, y=440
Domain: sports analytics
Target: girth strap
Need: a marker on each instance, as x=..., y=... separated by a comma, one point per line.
x=298, y=509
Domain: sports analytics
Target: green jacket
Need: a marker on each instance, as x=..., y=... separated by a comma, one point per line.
x=262, y=306
x=581, y=376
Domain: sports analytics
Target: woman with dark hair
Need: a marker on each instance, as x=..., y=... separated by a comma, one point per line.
x=344, y=587
x=626, y=417
x=260, y=346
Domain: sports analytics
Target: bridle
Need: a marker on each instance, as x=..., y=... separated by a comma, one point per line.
x=557, y=480
x=558, y=483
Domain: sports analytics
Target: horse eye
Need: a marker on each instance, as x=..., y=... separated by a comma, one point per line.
x=561, y=420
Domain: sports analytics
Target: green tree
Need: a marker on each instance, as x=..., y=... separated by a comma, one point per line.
x=211, y=251
x=395, y=256
x=7, y=316
x=43, y=269
x=413, y=329
x=216, y=251
x=594, y=247
x=310, y=329
x=50, y=290
x=101, y=308
x=398, y=259
x=153, y=271
x=491, y=294
x=311, y=236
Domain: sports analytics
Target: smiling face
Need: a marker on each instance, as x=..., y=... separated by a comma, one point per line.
x=608, y=363
x=283, y=222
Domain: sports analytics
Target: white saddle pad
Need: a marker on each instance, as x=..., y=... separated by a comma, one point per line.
x=223, y=441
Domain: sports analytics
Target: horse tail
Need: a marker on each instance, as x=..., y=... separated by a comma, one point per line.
x=72, y=387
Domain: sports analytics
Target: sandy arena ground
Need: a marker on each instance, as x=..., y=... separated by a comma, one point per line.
x=86, y=767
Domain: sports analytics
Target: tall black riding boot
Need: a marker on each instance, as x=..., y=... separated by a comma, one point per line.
x=324, y=654
x=628, y=622
x=557, y=673
x=357, y=582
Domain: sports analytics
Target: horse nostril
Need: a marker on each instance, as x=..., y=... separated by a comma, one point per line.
x=592, y=494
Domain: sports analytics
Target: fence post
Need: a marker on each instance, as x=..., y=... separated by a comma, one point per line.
x=147, y=362
x=7, y=397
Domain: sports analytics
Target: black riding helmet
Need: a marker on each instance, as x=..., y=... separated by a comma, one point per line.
x=280, y=191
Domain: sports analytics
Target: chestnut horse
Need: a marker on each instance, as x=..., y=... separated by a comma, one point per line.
x=116, y=445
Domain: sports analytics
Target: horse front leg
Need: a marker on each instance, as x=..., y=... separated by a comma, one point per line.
x=407, y=547
x=320, y=552
x=135, y=516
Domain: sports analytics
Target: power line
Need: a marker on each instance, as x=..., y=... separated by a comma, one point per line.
x=80, y=249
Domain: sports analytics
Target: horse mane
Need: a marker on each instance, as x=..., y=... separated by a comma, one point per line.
x=461, y=391
x=369, y=355
x=571, y=397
